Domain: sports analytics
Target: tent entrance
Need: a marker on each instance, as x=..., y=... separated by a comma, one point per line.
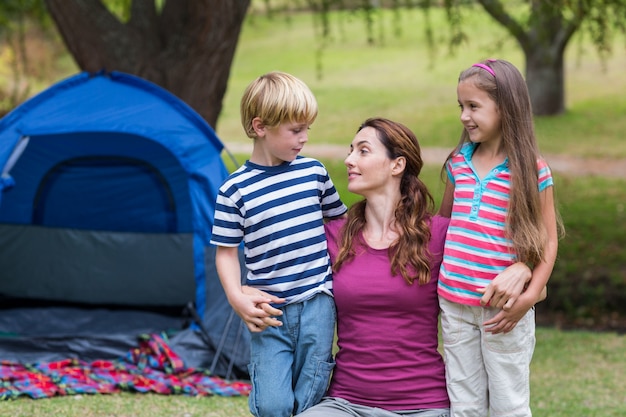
x=105, y=193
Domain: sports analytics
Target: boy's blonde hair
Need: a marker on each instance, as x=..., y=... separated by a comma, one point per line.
x=275, y=98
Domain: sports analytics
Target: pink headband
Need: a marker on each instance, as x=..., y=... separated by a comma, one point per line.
x=486, y=68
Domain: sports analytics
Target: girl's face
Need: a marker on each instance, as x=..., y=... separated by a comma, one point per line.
x=369, y=167
x=479, y=114
x=281, y=143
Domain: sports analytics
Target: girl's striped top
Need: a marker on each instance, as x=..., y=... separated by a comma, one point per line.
x=476, y=248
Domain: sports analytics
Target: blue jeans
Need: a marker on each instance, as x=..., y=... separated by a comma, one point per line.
x=290, y=366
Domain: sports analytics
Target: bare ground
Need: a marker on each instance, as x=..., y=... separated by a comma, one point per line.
x=605, y=167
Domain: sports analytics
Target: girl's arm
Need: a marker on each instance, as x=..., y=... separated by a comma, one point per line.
x=543, y=270
x=248, y=306
x=507, y=319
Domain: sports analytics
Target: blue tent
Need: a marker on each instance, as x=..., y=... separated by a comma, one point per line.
x=107, y=196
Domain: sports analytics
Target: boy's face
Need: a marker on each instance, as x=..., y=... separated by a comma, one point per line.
x=275, y=145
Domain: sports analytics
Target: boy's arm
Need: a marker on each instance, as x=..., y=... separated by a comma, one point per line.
x=247, y=306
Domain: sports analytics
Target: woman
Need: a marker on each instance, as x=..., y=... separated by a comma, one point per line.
x=386, y=255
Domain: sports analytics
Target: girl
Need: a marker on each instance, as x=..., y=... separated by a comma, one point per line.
x=499, y=195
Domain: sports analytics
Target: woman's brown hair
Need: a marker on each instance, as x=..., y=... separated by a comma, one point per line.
x=409, y=254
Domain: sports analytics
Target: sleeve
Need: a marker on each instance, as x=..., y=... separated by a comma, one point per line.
x=228, y=222
x=332, y=229
x=545, y=175
x=449, y=171
x=331, y=203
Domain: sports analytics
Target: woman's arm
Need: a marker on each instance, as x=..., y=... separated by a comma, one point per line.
x=536, y=290
x=445, y=209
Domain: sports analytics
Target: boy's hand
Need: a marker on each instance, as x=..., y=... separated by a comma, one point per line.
x=253, y=306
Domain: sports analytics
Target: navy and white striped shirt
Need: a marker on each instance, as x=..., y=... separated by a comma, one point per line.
x=278, y=212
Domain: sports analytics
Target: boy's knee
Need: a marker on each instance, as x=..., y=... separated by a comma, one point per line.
x=274, y=410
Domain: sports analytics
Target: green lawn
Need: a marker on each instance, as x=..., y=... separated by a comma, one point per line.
x=573, y=374
x=404, y=81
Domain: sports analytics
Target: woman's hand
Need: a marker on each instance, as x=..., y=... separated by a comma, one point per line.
x=254, y=308
x=506, y=287
x=506, y=320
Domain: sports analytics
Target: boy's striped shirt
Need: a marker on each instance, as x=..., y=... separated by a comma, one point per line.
x=278, y=213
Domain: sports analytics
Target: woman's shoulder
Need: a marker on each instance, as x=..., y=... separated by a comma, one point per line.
x=438, y=223
x=438, y=230
x=333, y=227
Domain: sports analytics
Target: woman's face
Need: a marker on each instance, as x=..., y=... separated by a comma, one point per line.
x=369, y=167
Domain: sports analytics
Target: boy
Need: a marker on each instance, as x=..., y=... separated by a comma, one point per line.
x=276, y=203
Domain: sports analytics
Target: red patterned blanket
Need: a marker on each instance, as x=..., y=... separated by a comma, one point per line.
x=151, y=367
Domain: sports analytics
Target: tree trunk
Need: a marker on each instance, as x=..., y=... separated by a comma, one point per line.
x=543, y=38
x=186, y=48
x=545, y=80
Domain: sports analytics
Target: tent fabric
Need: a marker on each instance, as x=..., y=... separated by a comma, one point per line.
x=107, y=197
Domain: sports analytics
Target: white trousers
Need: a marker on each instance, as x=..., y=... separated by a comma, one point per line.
x=486, y=374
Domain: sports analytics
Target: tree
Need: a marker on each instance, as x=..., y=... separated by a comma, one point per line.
x=185, y=46
x=13, y=17
x=542, y=28
x=543, y=32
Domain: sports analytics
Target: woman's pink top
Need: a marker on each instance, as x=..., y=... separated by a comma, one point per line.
x=387, y=330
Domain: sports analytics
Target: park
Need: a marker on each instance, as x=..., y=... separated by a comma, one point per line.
x=578, y=363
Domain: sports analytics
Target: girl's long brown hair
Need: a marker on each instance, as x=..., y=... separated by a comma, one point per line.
x=524, y=225
x=409, y=254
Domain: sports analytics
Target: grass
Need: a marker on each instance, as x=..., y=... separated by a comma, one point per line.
x=405, y=81
x=574, y=373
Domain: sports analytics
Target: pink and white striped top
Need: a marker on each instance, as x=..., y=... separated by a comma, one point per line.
x=476, y=249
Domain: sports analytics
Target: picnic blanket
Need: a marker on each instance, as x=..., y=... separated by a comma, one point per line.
x=151, y=367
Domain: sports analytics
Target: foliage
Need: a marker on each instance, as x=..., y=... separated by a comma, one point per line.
x=14, y=17
x=588, y=285
x=542, y=30
x=399, y=82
